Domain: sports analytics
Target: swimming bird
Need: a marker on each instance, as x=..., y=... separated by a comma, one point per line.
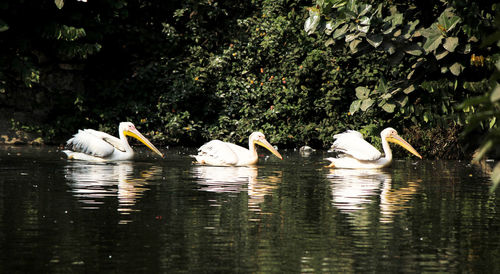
x=93, y=145
x=221, y=153
x=358, y=153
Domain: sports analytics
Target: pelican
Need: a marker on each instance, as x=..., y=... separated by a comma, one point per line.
x=358, y=153
x=93, y=145
x=219, y=153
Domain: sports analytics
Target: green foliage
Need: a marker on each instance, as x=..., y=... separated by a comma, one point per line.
x=186, y=72
x=487, y=107
x=427, y=71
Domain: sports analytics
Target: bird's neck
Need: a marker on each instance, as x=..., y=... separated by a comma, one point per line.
x=124, y=140
x=252, y=148
x=387, y=149
x=253, y=157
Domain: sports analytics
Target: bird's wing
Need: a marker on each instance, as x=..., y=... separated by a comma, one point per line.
x=117, y=143
x=352, y=143
x=218, y=153
x=93, y=143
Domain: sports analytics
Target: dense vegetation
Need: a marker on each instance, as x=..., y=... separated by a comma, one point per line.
x=188, y=71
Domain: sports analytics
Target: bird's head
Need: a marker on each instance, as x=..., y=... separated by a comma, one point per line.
x=260, y=139
x=129, y=129
x=391, y=135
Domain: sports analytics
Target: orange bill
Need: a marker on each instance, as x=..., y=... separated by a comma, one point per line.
x=266, y=144
x=398, y=140
x=137, y=135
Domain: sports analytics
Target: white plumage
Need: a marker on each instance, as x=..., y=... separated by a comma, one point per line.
x=93, y=145
x=221, y=153
x=351, y=142
x=358, y=153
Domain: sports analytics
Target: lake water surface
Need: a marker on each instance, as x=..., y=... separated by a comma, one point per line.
x=169, y=215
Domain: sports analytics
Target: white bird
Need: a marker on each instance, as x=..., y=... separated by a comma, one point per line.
x=93, y=145
x=221, y=153
x=358, y=153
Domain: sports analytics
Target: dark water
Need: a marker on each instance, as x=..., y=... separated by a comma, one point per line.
x=168, y=216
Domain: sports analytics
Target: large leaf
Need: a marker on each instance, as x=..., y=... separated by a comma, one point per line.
x=409, y=89
x=59, y=3
x=350, y=37
x=433, y=39
x=397, y=19
x=495, y=95
x=456, y=69
x=409, y=29
x=382, y=86
x=312, y=22
x=363, y=28
x=340, y=31
x=353, y=46
x=441, y=53
x=366, y=103
x=331, y=25
x=414, y=49
x=364, y=9
x=388, y=107
x=362, y=92
x=448, y=20
x=3, y=26
x=337, y=3
x=354, y=106
x=365, y=20
x=450, y=44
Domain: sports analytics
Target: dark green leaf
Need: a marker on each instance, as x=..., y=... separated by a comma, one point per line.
x=374, y=39
x=353, y=46
x=409, y=89
x=495, y=94
x=441, y=53
x=364, y=9
x=433, y=39
x=362, y=92
x=448, y=20
x=366, y=103
x=312, y=22
x=354, y=106
x=382, y=86
x=456, y=69
x=388, y=107
x=450, y=44
x=340, y=31
x=363, y=28
x=59, y=3
x=351, y=37
x=3, y=26
x=397, y=19
x=365, y=20
x=414, y=49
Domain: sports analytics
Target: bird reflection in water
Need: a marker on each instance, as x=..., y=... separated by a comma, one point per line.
x=353, y=190
x=93, y=183
x=223, y=179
